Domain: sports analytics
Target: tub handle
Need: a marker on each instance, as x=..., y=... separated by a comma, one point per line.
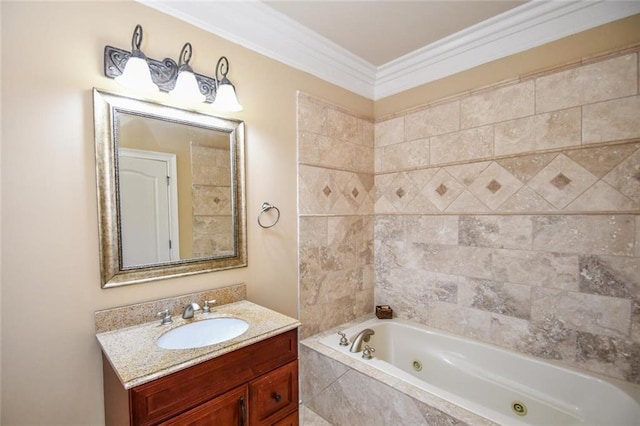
x=343, y=339
x=367, y=352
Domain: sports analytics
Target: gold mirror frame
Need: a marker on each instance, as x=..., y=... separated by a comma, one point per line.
x=106, y=105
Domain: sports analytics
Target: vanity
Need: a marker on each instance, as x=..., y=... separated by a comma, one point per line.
x=251, y=379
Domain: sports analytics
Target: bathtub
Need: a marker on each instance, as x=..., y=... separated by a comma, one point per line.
x=496, y=384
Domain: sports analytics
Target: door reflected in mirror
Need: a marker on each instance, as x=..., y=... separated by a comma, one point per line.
x=172, y=183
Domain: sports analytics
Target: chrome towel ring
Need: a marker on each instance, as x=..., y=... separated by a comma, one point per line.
x=265, y=208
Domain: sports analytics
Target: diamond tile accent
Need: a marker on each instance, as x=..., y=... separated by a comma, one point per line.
x=355, y=193
x=626, y=176
x=441, y=190
x=560, y=181
x=494, y=186
x=399, y=192
x=327, y=191
x=442, y=179
x=482, y=186
x=216, y=200
x=561, y=191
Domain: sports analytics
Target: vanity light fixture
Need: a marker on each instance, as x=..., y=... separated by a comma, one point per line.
x=186, y=88
x=136, y=74
x=226, y=100
x=176, y=78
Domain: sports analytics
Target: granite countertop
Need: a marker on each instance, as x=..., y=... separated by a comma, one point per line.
x=136, y=358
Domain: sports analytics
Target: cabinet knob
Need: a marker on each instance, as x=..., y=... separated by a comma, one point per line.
x=276, y=396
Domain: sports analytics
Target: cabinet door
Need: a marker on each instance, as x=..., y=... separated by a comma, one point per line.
x=291, y=420
x=229, y=409
x=274, y=395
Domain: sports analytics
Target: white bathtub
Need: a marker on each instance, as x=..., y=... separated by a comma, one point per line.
x=488, y=381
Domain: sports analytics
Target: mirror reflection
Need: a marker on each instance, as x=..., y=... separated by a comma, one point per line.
x=176, y=192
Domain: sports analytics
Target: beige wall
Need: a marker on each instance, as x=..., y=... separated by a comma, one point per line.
x=52, y=57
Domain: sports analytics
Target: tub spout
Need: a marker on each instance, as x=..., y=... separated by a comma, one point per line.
x=363, y=336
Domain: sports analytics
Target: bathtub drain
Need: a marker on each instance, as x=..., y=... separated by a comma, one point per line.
x=519, y=408
x=417, y=365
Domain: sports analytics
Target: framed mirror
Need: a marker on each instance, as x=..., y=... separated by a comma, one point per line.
x=171, y=190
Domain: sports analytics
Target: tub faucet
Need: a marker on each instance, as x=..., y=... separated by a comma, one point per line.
x=363, y=336
x=190, y=309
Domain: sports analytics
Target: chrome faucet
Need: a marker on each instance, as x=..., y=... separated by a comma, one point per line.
x=363, y=336
x=190, y=309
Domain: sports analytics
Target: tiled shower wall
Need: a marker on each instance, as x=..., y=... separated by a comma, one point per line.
x=512, y=215
x=211, y=201
x=335, y=185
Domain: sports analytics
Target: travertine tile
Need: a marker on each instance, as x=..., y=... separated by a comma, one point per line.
x=602, y=197
x=442, y=189
x=494, y=106
x=389, y=132
x=470, y=322
x=435, y=120
x=468, y=172
x=404, y=156
x=607, y=316
x=463, y=145
x=549, y=339
x=400, y=192
x=514, y=232
x=626, y=176
x=498, y=297
x=553, y=270
x=367, y=133
x=525, y=167
x=609, y=355
x=468, y=261
x=608, y=79
x=600, y=161
x=342, y=126
x=614, y=276
x=494, y=186
x=611, y=120
x=544, y=131
x=467, y=203
x=637, y=245
x=211, y=200
x=526, y=201
x=308, y=147
x=608, y=235
x=312, y=115
x=431, y=229
x=562, y=181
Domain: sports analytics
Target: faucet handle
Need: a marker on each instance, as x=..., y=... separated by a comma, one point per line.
x=343, y=339
x=206, y=309
x=367, y=352
x=166, y=317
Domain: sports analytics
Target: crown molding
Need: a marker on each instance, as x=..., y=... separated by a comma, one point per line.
x=530, y=25
x=256, y=26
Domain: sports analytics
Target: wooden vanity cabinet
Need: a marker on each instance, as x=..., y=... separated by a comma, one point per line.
x=254, y=385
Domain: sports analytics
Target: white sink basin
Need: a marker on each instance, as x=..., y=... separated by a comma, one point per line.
x=202, y=333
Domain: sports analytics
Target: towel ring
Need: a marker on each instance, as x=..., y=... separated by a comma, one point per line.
x=265, y=208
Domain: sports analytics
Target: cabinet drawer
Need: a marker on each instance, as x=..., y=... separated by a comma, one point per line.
x=226, y=410
x=274, y=395
x=166, y=397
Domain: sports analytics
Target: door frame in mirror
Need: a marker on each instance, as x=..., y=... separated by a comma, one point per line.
x=105, y=107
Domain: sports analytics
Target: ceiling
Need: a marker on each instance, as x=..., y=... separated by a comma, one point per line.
x=381, y=31
x=377, y=48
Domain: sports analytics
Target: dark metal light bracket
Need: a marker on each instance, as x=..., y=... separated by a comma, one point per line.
x=163, y=73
